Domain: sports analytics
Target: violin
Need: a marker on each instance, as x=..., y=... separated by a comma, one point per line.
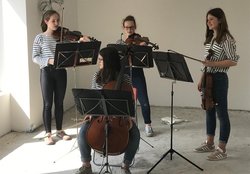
x=207, y=86
x=64, y=34
x=136, y=39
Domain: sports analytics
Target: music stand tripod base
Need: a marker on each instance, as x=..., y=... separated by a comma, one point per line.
x=172, y=66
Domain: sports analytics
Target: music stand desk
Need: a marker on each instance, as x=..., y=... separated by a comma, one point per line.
x=141, y=56
x=74, y=54
x=104, y=103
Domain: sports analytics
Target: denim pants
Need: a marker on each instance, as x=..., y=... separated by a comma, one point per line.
x=220, y=93
x=133, y=144
x=139, y=82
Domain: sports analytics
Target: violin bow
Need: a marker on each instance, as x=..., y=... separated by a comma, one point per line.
x=186, y=56
x=61, y=36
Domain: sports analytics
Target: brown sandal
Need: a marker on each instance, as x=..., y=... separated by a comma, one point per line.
x=63, y=135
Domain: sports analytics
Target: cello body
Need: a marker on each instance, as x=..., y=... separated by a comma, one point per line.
x=117, y=130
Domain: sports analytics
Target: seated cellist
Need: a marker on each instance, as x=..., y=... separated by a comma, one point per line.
x=109, y=68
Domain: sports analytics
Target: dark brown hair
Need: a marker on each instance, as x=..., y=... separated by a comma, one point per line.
x=111, y=65
x=46, y=16
x=129, y=18
x=222, y=27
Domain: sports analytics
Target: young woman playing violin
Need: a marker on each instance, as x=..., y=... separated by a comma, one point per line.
x=222, y=44
x=109, y=68
x=53, y=81
x=138, y=78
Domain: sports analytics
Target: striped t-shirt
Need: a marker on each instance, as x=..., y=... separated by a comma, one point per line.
x=226, y=50
x=94, y=85
x=43, y=49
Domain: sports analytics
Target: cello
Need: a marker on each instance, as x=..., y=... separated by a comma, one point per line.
x=117, y=127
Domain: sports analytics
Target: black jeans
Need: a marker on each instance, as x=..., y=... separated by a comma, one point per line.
x=220, y=93
x=53, y=85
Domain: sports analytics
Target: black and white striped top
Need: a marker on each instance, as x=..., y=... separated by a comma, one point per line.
x=226, y=50
x=43, y=49
x=94, y=85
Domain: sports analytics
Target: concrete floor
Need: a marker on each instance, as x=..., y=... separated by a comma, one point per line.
x=26, y=153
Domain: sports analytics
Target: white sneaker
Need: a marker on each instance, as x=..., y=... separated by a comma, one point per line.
x=149, y=131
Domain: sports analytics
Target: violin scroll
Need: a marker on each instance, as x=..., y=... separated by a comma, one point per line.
x=210, y=53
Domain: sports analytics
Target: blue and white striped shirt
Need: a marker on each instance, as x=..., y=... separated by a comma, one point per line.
x=43, y=49
x=226, y=50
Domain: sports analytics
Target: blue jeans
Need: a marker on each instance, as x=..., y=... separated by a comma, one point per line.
x=139, y=82
x=133, y=144
x=220, y=92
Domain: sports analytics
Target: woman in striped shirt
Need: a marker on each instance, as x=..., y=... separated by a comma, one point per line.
x=53, y=81
x=222, y=44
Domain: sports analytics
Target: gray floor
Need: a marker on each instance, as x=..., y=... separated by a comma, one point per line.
x=26, y=153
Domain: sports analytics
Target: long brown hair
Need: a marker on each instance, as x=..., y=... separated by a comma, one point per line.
x=222, y=27
x=46, y=16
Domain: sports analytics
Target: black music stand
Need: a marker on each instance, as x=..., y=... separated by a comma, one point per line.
x=172, y=66
x=76, y=54
x=104, y=103
x=141, y=56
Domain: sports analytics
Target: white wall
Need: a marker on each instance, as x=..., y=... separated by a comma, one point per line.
x=178, y=25
x=172, y=24
x=5, y=123
x=4, y=96
x=21, y=105
x=1, y=47
x=15, y=69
